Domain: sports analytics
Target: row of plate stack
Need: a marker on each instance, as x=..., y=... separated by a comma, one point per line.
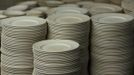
x=72, y=26
x=112, y=44
x=18, y=36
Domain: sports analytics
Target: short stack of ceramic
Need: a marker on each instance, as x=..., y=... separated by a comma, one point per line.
x=128, y=6
x=85, y=4
x=76, y=10
x=1, y=18
x=14, y=13
x=112, y=44
x=73, y=27
x=18, y=36
x=100, y=8
x=56, y=57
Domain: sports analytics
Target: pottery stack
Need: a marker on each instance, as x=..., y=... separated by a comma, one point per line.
x=71, y=26
x=18, y=36
x=112, y=44
x=56, y=57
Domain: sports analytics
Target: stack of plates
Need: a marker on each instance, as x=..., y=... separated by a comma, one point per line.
x=128, y=5
x=18, y=7
x=14, y=13
x=118, y=2
x=73, y=27
x=53, y=3
x=42, y=9
x=100, y=8
x=30, y=4
x=131, y=13
x=85, y=4
x=70, y=1
x=69, y=5
x=112, y=44
x=102, y=1
x=18, y=36
x=1, y=18
x=76, y=10
x=50, y=3
x=36, y=13
x=56, y=57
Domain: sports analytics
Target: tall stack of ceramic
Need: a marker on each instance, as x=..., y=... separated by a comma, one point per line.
x=1, y=18
x=100, y=8
x=56, y=57
x=71, y=26
x=112, y=44
x=18, y=36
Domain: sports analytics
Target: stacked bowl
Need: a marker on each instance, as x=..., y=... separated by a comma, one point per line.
x=73, y=27
x=100, y=8
x=56, y=57
x=112, y=44
x=18, y=36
